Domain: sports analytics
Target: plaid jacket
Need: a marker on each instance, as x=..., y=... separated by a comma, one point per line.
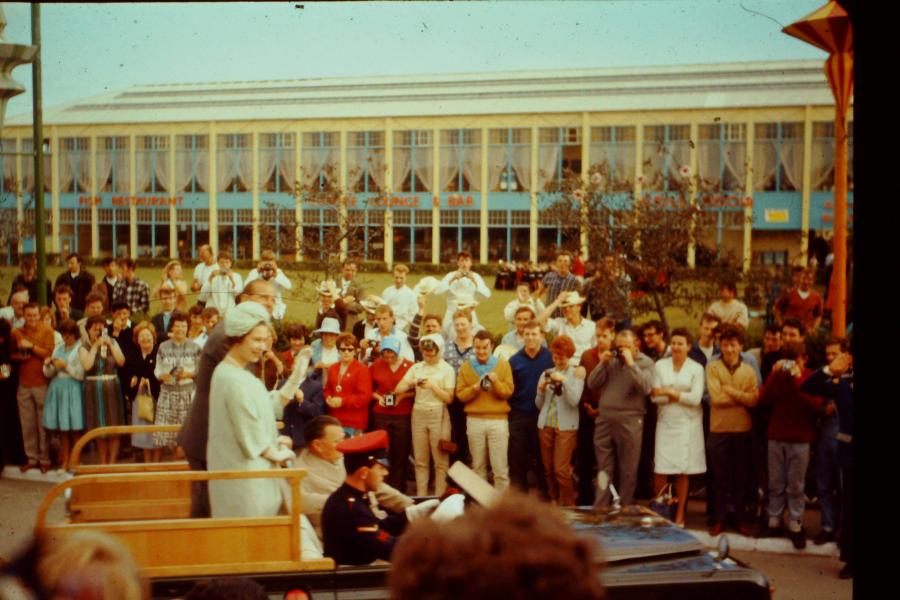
x=136, y=294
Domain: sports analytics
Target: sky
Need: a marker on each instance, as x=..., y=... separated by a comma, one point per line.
x=91, y=49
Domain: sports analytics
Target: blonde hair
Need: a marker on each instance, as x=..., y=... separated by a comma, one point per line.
x=90, y=564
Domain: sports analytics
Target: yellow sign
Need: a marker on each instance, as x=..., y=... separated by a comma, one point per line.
x=777, y=215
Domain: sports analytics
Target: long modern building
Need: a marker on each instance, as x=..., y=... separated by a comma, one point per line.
x=434, y=164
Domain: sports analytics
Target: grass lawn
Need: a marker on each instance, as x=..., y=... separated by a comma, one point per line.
x=301, y=307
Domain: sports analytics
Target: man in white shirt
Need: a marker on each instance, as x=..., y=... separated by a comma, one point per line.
x=401, y=298
x=15, y=312
x=729, y=309
x=222, y=287
x=462, y=282
x=384, y=318
x=582, y=331
x=516, y=336
x=267, y=270
x=204, y=268
x=523, y=298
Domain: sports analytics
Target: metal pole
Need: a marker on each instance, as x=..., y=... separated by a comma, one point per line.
x=38, y=145
x=839, y=268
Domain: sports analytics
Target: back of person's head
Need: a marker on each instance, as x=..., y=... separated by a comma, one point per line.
x=315, y=429
x=518, y=548
x=227, y=588
x=89, y=564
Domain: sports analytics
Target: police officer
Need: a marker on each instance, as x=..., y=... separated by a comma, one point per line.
x=353, y=535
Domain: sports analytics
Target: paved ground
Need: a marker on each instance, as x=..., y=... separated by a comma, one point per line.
x=806, y=575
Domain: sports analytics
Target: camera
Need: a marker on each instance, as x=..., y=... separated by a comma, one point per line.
x=556, y=386
x=615, y=352
x=485, y=384
x=421, y=382
x=788, y=365
x=390, y=400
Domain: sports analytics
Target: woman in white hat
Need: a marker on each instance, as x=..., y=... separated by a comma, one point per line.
x=434, y=383
x=325, y=351
x=242, y=431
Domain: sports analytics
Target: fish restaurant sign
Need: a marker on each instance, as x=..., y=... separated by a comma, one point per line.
x=131, y=200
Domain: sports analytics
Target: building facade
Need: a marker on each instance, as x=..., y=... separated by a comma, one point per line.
x=431, y=164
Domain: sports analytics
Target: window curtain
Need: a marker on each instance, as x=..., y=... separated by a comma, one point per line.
x=498, y=159
x=423, y=166
x=245, y=166
x=376, y=167
x=82, y=170
x=287, y=167
x=548, y=163
x=184, y=169
x=143, y=171
x=67, y=172
x=356, y=168
x=9, y=165
x=104, y=169
x=708, y=165
x=792, y=161
x=267, y=167
x=764, y=163
x=201, y=169
x=520, y=157
x=654, y=157
x=624, y=161
x=736, y=161
x=123, y=171
x=471, y=166
x=402, y=167
x=600, y=154
x=822, y=163
x=225, y=168
x=162, y=170
x=449, y=168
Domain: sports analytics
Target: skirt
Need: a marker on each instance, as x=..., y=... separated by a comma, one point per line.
x=63, y=409
x=172, y=409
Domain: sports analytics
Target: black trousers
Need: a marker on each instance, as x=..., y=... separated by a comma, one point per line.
x=199, y=491
x=731, y=455
x=457, y=412
x=525, y=451
x=399, y=430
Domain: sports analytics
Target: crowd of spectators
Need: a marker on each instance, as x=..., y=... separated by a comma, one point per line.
x=575, y=401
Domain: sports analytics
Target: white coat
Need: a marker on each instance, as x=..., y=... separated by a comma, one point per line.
x=679, y=425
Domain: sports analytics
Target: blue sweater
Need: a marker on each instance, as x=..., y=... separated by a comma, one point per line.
x=526, y=372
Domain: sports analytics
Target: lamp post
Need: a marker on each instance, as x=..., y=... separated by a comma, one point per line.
x=829, y=28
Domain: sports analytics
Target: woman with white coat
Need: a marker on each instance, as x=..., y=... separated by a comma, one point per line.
x=677, y=390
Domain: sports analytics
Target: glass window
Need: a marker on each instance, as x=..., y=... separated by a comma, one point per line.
x=74, y=165
x=460, y=156
x=365, y=161
x=9, y=181
x=509, y=160
x=722, y=157
x=559, y=155
x=151, y=162
x=412, y=170
x=277, y=154
x=612, y=155
x=778, y=157
x=192, y=163
x=667, y=149
x=320, y=160
x=234, y=162
x=28, y=166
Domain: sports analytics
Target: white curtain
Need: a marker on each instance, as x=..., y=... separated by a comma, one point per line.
x=736, y=161
x=471, y=167
x=655, y=153
x=224, y=169
x=822, y=162
x=267, y=166
x=548, y=159
x=376, y=166
x=498, y=159
x=423, y=167
x=9, y=164
x=286, y=166
x=449, y=169
x=184, y=169
x=143, y=171
x=356, y=167
x=764, y=163
x=600, y=154
x=104, y=169
x=123, y=171
x=708, y=167
x=66, y=171
x=520, y=157
x=83, y=171
x=311, y=163
x=401, y=167
x=162, y=171
x=245, y=166
x=625, y=160
x=201, y=169
x=679, y=156
x=792, y=161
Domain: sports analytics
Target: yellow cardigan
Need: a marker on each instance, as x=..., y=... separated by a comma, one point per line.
x=479, y=403
x=728, y=410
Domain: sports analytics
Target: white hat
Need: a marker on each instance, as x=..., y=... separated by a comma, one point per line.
x=466, y=301
x=572, y=298
x=243, y=317
x=505, y=351
x=426, y=286
x=329, y=325
x=372, y=302
x=437, y=339
x=328, y=288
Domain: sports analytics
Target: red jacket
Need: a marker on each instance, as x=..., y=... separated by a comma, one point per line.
x=356, y=393
x=793, y=412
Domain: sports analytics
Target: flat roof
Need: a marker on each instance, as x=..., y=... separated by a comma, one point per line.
x=725, y=85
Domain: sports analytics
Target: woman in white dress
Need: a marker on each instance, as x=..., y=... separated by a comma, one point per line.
x=677, y=389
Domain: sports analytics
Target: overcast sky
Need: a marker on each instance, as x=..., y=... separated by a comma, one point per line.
x=90, y=49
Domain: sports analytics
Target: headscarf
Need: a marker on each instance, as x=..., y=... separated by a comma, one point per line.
x=240, y=319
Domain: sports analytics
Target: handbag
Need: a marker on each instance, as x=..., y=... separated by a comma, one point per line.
x=448, y=446
x=665, y=504
x=144, y=401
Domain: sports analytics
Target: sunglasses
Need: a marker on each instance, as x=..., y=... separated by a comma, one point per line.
x=347, y=349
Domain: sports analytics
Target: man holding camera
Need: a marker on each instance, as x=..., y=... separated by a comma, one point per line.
x=393, y=412
x=269, y=271
x=484, y=385
x=620, y=382
x=222, y=286
x=461, y=283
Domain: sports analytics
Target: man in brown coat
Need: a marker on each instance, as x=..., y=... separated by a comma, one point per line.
x=34, y=343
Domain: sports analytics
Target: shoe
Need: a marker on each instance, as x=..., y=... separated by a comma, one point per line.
x=798, y=538
x=29, y=465
x=44, y=468
x=716, y=529
x=824, y=537
x=846, y=572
